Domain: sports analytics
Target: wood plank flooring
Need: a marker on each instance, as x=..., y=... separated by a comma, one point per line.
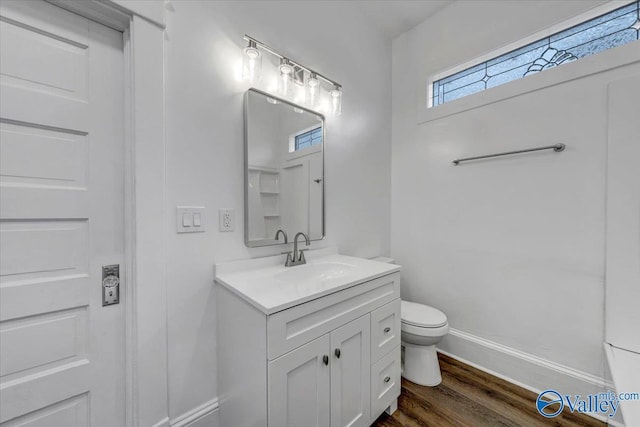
x=470, y=397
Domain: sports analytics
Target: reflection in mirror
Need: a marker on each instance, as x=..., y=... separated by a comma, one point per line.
x=284, y=170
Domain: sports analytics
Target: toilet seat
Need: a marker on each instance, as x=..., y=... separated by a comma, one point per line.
x=421, y=315
x=420, y=331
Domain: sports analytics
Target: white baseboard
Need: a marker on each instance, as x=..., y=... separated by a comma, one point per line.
x=202, y=415
x=523, y=369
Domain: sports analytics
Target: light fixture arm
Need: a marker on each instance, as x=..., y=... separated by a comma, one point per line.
x=258, y=43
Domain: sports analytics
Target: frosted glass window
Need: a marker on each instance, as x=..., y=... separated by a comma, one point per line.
x=308, y=139
x=615, y=28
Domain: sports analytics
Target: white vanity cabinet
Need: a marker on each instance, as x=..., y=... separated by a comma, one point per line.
x=329, y=361
x=325, y=382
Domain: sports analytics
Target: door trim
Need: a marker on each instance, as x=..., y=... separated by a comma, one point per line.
x=146, y=402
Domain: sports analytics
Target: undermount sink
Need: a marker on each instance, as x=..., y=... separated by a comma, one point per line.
x=319, y=271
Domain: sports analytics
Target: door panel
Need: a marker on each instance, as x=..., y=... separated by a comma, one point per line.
x=26, y=343
x=299, y=387
x=350, y=374
x=73, y=412
x=61, y=218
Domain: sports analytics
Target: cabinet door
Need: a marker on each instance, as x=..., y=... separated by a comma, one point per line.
x=299, y=386
x=350, y=374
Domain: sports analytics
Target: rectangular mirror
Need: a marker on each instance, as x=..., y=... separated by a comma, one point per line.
x=284, y=170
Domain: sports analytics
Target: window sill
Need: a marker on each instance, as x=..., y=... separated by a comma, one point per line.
x=604, y=61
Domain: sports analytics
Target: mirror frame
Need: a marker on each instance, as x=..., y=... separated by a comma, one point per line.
x=273, y=242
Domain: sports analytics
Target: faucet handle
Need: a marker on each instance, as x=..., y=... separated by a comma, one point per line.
x=301, y=256
x=290, y=259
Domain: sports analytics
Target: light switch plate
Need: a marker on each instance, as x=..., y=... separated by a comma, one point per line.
x=190, y=219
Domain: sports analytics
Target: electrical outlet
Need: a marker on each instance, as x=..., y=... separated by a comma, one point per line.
x=227, y=220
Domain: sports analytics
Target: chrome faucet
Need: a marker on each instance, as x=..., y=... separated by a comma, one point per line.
x=284, y=233
x=297, y=257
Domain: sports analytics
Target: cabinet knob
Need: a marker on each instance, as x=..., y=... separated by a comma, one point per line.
x=387, y=330
x=325, y=359
x=387, y=379
x=337, y=353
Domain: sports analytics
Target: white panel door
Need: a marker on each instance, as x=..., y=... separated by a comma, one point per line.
x=299, y=386
x=622, y=315
x=350, y=374
x=61, y=218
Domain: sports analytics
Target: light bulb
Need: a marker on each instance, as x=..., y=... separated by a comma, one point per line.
x=251, y=63
x=312, y=92
x=336, y=100
x=285, y=79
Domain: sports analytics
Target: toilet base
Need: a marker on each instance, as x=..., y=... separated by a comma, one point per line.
x=420, y=364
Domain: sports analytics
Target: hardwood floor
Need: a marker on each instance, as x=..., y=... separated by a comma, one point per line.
x=470, y=397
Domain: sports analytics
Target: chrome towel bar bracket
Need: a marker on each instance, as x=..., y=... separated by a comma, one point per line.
x=557, y=148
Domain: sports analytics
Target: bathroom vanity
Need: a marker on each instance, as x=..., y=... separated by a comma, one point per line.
x=311, y=345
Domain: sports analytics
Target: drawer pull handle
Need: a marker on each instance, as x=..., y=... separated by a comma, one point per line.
x=325, y=359
x=387, y=330
x=337, y=353
x=387, y=379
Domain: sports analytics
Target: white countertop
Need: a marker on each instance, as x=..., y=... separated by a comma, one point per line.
x=269, y=286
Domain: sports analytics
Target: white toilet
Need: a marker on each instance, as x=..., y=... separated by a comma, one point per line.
x=422, y=327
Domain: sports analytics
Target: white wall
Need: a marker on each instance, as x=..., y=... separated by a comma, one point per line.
x=204, y=131
x=511, y=249
x=623, y=217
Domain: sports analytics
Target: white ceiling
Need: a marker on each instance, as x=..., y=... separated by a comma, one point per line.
x=394, y=17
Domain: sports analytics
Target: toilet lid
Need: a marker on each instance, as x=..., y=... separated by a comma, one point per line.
x=422, y=315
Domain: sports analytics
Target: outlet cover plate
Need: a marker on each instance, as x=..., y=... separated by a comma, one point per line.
x=227, y=219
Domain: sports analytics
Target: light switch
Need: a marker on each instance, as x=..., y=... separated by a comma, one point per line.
x=190, y=219
x=186, y=219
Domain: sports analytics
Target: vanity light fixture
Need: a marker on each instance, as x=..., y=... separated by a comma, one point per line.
x=285, y=78
x=312, y=90
x=251, y=63
x=336, y=100
x=290, y=72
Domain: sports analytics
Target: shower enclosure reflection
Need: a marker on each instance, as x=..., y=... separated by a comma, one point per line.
x=284, y=170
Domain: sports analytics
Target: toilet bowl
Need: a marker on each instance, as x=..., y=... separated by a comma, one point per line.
x=422, y=327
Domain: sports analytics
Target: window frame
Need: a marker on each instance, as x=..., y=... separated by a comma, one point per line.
x=305, y=151
x=556, y=28
x=303, y=132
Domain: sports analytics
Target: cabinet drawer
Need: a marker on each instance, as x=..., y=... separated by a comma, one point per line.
x=298, y=325
x=385, y=382
x=385, y=329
